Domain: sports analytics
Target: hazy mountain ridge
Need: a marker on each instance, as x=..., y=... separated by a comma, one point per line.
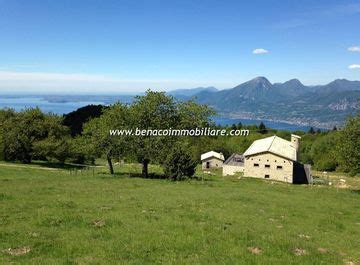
x=192, y=91
x=291, y=101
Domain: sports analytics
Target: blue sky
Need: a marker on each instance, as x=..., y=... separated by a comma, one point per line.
x=129, y=46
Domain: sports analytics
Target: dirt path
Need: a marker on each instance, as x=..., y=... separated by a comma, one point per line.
x=26, y=166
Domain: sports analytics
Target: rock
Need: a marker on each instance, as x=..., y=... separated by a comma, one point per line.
x=98, y=223
x=18, y=251
x=254, y=250
x=322, y=250
x=299, y=251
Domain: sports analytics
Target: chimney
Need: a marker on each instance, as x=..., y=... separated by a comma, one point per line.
x=295, y=141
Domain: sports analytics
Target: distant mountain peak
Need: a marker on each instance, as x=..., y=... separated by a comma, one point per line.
x=340, y=80
x=260, y=79
x=341, y=85
x=294, y=81
x=259, y=82
x=292, y=84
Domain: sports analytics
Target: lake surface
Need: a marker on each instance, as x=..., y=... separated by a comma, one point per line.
x=46, y=106
x=20, y=103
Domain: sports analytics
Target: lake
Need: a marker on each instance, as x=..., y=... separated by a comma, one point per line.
x=20, y=103
x=66, y=106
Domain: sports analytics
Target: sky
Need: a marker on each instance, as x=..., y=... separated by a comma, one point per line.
x=120, y=46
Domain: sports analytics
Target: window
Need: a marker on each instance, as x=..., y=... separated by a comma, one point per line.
x=267, y=166
x=279, y=167
x=267, y=176
x=256, y=165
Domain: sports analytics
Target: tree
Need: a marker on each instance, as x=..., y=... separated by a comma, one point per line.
x=262, y=128
x=193, y=115
x=153, y=111
x=349, y=146
x=323, y=153
x=32, y=134
x=20, y=132
x=179, y=165
x=97, y=134
x=5, y=116
x=76, y=119
x=311, y=130
x=56, y=145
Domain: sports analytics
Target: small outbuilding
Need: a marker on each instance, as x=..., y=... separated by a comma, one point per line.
x=212, y=160
x=234, y=164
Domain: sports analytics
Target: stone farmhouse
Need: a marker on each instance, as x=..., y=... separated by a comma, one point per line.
x=276, y=159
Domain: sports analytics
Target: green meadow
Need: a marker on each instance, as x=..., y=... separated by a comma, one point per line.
x=54, y=216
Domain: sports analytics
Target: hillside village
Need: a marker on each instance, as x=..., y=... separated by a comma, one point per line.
x=83, y=136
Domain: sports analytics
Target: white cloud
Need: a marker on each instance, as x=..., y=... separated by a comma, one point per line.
x=354, y=66
x=260, y=51
x=354, y=49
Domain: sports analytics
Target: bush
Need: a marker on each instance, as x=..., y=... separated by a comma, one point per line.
x=179, y=165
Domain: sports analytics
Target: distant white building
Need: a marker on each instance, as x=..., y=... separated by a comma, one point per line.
x=212, y=160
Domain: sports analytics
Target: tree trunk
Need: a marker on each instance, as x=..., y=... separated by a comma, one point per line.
x=111, y=168
x=145, y=172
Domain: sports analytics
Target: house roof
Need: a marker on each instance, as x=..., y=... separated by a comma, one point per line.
x=212, y=154
x=235, y=160
x=275, y=145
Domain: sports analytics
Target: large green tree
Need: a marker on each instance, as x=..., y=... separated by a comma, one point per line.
x=56, y=144
x=155, y=110
x=32, y=134
x=20, y=132
x=322, y=152
x=5, y=116
x=97, y=138
x=349, y=146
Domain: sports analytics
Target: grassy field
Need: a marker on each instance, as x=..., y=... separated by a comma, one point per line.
x=50, y=216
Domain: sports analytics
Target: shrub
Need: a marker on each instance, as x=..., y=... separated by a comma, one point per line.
x=179, y=165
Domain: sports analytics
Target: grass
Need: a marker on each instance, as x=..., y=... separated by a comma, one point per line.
x=54, y=217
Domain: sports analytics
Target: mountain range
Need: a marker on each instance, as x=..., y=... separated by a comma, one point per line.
x=320, y=106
